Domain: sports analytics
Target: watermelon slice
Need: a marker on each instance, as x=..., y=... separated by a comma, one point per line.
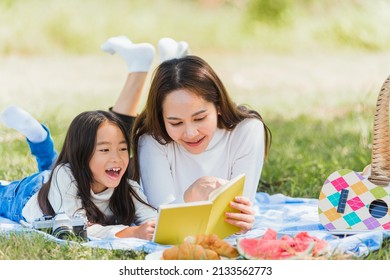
x=268, y=247
x=320, y=245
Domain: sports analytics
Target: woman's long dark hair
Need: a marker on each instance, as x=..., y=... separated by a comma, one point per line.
x=196, y=75
x=77, y=151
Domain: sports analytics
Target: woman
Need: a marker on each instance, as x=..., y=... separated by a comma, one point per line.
x=191, y=137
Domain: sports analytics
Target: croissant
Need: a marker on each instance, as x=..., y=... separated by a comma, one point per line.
x=213, y=242
x=189, y=251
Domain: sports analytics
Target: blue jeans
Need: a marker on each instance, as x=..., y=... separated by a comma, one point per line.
x=14, y=196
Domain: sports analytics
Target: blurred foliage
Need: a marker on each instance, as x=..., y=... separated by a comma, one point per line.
x=47, y=26
x=268, y=11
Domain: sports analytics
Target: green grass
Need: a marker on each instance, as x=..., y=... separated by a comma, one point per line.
x=17, y=246
x=304, y=152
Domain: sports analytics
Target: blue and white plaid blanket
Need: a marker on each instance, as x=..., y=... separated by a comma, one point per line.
x=286, y=215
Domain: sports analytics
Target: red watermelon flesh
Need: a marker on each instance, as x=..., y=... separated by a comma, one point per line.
x=270, y=234
x=287, y=247
x=320, y=245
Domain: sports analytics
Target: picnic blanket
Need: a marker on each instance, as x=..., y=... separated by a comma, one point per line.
x=286, y=215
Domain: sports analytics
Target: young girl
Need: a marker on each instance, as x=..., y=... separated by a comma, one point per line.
x=90, y=176
x=72, y=185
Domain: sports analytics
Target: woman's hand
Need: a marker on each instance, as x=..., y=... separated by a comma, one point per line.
x=201, y=188
x=143, y=231
x=245, y=218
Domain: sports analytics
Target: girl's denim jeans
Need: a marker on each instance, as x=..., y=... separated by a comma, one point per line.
x=14, y=196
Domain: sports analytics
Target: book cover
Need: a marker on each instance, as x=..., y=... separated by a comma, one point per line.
x=177, y=221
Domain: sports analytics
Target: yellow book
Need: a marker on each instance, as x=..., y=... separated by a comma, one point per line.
x=177, y=221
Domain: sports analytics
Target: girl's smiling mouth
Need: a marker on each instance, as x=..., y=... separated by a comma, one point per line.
x=114, y=172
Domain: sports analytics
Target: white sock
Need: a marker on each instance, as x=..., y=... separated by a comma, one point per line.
x=138, y=57
x=17, y=118
x=169, y=49
x=107, y=46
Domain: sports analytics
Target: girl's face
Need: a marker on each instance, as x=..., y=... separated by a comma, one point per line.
x=189, y=120
x=110, y=158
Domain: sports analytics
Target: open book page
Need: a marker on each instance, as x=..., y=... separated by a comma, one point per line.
x=221, y=199
x=177, y=221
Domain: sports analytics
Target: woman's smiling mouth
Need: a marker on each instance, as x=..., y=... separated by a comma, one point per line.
x=195, y=143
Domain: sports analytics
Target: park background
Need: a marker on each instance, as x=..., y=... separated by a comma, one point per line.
x=312, y=68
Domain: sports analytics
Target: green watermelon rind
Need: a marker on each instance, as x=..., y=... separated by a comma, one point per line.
x=298, y=255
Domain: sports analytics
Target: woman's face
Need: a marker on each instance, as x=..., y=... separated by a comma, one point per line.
x=189, y=120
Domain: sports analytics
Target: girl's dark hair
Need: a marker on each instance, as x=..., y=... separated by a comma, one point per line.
x=195, y=75
x=77, y=151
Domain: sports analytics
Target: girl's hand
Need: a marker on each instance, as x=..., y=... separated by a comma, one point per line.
x=246, y=216
x=143, y=231
x=201, y=188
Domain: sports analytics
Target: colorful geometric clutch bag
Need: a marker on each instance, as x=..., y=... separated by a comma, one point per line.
x=353, y=201
x=349, y=201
